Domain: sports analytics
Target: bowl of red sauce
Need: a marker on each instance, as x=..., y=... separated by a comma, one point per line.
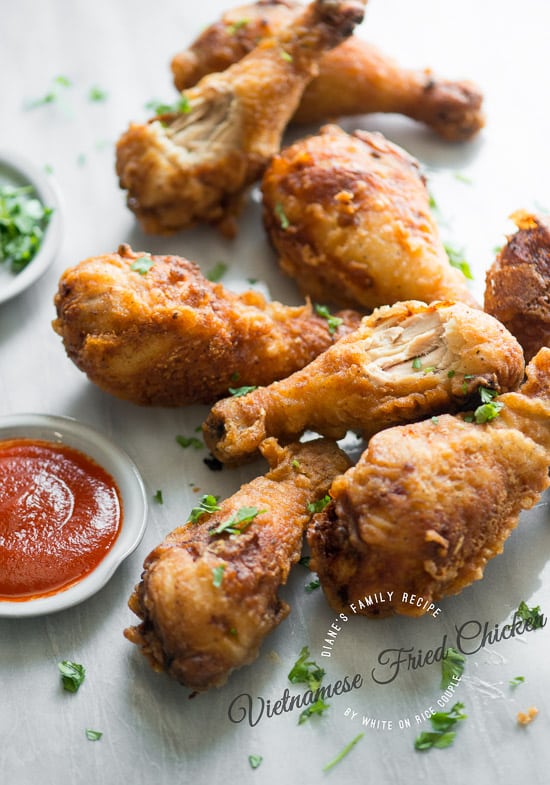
x=72, y=508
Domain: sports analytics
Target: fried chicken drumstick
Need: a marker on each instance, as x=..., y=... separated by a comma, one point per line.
x=429, y=504
x=355, y=78
x=350, y=219
x=170, y=337
x=403, y=363
x=194, y=165
x=517, y=288
x=208, y=595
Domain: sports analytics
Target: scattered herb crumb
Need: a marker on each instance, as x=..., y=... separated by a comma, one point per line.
x=158, y=497
x=516, y=681
x=286, y=56
x=281, y=215
x=315, y=708
x=23, y=221
x=312, y=585
x=52, y=95
x=456, y=259
x=319, y=505
x=304, y=561
x=72, y=675
x=342, y=754
x=254, y=761
x=217, y=575
x=452, y=666
x=238, y=25
x=333, y=321
x=189, y=441
x=93, y=735
x=217, y=272
x=182, y=106
x=295, y=464
x=207, y=505
x=306, y=671
x=238, y=392
x=142, y=265
x=417, y=363
x=462, y=178
x=532, y=615
x=238, y=522
x=442, y=723
x=97, y=94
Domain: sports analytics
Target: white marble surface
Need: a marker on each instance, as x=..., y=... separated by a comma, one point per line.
x=151, y=731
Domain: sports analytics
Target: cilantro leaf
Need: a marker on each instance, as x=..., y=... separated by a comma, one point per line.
x=217, y=575
x=23, y=221
x=333, y=321
x=217, y=272
x=319, y=505
x=142, y=265
x=456, y=259
x=72, y=675
x=315, y=708
x=254, y=761
x=238, y=392
x=238, y=522
x=532, y=615
x=305, y=671
x=281, y=215
x=452, y=665
x=207, y=505
x=93, y=735
x=189, y=441
x=443, y=734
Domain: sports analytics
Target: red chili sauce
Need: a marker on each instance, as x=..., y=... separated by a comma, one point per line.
x=60, y=514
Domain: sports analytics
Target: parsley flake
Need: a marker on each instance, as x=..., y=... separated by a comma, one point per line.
x=217, y=575
x=333, y=321
x=452, y=666
x=207, y=505
x=315, y=708
x=281, y=215
x=456, y=259
x=72, y=675
x=23, y=221
x=319, y=505
x=238, y=522
x=158, y=497
x=238, y=25
x=417, y=363
x=182, y=106
x=306, y=671
x=189, y=441
x=312, y=585
x=343, y=752
x=286, y=56
x=97, y=94
x=237, y=392
x=142, y=265
x=516, y=681
x=217, y=272
x=254, y=761
x=93, y=735
x=531, y=615
x=442, y=723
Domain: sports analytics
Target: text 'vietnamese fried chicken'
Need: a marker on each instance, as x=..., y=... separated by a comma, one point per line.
x=153, y=330
x=517, y=290
x=354, y=78
x=208, y=595
x=350, y=219
x=428, y=504
x=194, y=165
x=403, y=363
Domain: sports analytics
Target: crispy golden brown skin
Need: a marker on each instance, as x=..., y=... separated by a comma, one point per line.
x=171, y=337
x=354, y=78
x=350, y=219
x=403, y=363
x=429, y=504
x=517, y=290
x=192, y=166
x=199, y=632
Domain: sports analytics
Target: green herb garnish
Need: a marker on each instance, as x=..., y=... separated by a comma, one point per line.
x=315, y=708
x=489, y=408
x=93, y=735
x=333, y=321
x=304, y=561
x=532, y=615
x=158, y=497
x=456, y=259
x=97, y=94
x=286, y=56
x=23, y=221
x=189, y=441
x=52, y=95
x=238, y=522
x=237, y=392
x=72, y=675
x=516, y=681
x=280, y=213
x=452, y=666
x=343, y=753
x=182, y=106
x=217, y=272
x=207, y=505
x=254, y=761
x=217, y=575
x=417, y=363
x=442, y=723
x=312, y=585
x=305, y=671
x=319, y=505
x=142, y=265
x=238, y=25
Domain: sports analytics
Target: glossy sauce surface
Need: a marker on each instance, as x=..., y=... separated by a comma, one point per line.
x=60, y=513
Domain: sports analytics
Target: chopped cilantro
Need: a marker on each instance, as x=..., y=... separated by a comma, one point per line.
x=238, y=25
x=333, y=321
x=254, y=761
x=295, y=464
x=93, y=735
x=237, y=392
x=23, y=221
x=435, y=420
x=207, y=505
x=452, y=666
x=315, y=708
x=189, y=441
x=304, y=561
x=487, y=412
x=238, y=522
x=217, y=272
x=182, y=106
x=319, y=505
x=312, y=585
x=442, y=723
x=430, y=369
x=72, y=675
x=305, y=671
x=516, y=681
x=97, y=94
x=52, y=95
x=286, y=56
x=217, y=575
x=456, y=259
x=417, y=363
x=343, y=753
x=158, y=497
x=532, y=615
x=142, y=265
x=281, y=215
x=451, y=373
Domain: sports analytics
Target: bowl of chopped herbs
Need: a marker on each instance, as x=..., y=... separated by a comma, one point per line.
x=30, y=223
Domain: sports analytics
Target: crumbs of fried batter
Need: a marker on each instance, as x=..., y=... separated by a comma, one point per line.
x=527, y=717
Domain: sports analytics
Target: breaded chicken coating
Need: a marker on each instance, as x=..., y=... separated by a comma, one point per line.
x=355, y=78
x=208, y=594
x=517, y=290
x=349, y=217
x=403, y=363
x=194, y=165
x=429, y=504
x=167, y=336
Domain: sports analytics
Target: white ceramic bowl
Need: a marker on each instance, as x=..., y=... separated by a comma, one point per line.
x=65, y=430
x=16, y=170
